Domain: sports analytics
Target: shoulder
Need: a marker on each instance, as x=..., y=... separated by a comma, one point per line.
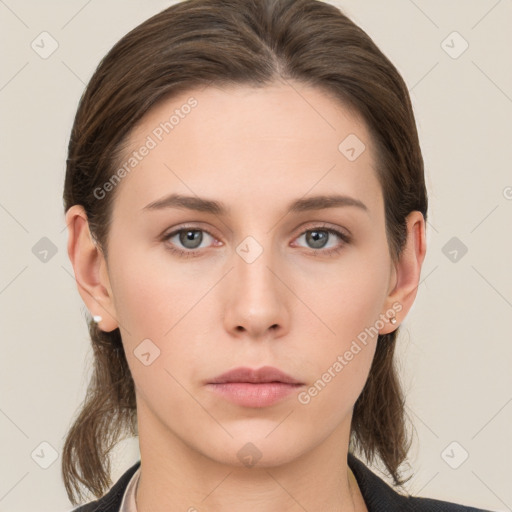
x=381, y=497
x=110, y=502
x=430, y=505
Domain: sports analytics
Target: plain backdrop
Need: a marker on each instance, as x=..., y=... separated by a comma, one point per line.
x=455, y=347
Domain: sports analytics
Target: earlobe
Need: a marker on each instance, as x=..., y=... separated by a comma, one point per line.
x=89, y=266
x=407, y=272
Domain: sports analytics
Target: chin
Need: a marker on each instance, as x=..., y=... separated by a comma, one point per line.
x=258, y=450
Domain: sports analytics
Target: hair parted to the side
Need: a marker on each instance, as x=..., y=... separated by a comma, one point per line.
x=250, y=42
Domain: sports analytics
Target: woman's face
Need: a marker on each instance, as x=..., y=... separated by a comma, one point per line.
x=257, y=282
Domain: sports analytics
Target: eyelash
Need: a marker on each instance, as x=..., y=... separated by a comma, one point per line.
x=314, y=252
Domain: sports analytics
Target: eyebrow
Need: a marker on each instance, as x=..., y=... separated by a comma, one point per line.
x=199, y=204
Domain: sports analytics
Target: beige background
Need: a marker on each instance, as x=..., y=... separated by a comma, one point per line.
x=455, y=347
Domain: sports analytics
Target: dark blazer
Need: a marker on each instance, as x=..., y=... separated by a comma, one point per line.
x=377, y=494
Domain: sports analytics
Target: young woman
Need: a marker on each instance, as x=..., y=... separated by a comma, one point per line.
x=246, y=208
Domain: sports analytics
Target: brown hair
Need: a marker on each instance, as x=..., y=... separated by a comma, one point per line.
x=253, y=42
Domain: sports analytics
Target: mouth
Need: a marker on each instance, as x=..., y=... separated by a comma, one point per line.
x=254, y=388
x=263, y=375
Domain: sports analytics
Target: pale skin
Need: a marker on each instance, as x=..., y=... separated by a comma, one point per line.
x=256, y=151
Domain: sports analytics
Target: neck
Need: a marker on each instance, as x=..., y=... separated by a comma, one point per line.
x=175, y=476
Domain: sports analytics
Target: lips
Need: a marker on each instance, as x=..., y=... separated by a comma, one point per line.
x=265, y=374
x=259, y=388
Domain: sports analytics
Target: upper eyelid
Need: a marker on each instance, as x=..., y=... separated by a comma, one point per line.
x=184, y=228
x=326, y=226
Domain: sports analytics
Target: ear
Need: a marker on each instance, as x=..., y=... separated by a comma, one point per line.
x=405, y=274
x=90, y=269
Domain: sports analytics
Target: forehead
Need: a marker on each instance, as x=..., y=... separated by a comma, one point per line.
x=246, y=144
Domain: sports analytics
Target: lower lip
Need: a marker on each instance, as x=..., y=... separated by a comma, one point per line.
x=254, y=395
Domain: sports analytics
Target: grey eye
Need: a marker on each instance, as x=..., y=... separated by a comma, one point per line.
x=317, y=237
x=188, y=238
x=191, y=238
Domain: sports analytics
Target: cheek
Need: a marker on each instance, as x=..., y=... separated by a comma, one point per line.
x=345, y=299
x=151, y=295
x=343, y=331
x=338, y=362
x=160, y=312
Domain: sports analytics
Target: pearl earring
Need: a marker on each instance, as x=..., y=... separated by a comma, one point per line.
x=393, y=320
x=97, y=318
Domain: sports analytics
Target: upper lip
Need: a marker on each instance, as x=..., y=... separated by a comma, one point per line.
x=260, y=375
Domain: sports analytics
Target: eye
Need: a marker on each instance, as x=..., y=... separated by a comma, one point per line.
x=189, y=238
x=319, y=237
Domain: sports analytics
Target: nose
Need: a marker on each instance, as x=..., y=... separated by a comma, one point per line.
x=255, y=294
